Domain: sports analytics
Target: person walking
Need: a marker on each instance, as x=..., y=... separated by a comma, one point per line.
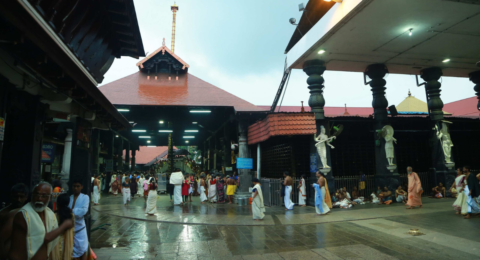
x=288, y=191
x=258, y=208
x=415, y=189
x=320, y=206
x=126, y=191
x=152, y=197
x=212, y=189
x=302, y=193
x=96, y=190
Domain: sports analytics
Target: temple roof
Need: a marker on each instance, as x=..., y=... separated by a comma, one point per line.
x=413, y=104
x=162, y=49
x=188, y=90
x=464, y=107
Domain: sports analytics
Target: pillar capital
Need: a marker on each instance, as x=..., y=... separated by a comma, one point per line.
x=315, y=69
x=376, y=72
x=432, y=87
x=475, y=78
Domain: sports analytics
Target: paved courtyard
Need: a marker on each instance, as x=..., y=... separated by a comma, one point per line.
x=222, y=231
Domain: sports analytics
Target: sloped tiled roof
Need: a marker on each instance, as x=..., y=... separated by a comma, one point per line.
x=163, y=49
x=188, y=90
x=329, y=111
x=281, y=124
x=146, y=154
x=464, y=107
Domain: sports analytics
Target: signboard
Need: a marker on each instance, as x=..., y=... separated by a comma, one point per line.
x=2, y=128
x=109, y=165
x=244, y=163
x=228, y=169
x=313, y=162
x=48, y=153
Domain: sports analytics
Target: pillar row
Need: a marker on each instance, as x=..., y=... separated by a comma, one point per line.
x=432, y=87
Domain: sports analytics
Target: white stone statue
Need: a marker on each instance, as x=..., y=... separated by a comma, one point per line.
x=387, y=132
x=321, y=140
x=444, y=137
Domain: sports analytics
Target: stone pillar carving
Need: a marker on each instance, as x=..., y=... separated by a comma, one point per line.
x=432, y=87
x=120, y=154
x=475, y=78
x=376, y=72
x=315, y=69
x=127, y=156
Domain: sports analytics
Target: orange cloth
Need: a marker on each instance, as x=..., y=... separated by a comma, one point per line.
x=327, y=198
x=56, y=190
x=414, y=190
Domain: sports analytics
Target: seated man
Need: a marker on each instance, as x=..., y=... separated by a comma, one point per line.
x=401, y=195
x=385, y=196
x=438, y=191
x=35, y=230
x=355, y=198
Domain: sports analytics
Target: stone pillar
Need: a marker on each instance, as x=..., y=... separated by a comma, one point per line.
x=245, y=175
x=315, y=69
x=134, y=152
x=215, y=149
x=95, y=152
x=227, y=151
x=120, y=153
x=209, y=154
x=66, y=160
x=386, y=174
x=475, y=78
x=435, y=105
x=110, y=144
x=171, y=166
x=127, y=156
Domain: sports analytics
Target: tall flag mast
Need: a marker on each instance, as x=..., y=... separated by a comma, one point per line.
x=174, y=9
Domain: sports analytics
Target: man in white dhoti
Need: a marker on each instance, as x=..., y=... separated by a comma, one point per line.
x=288, y=192
x=320, y=206
x=79, y=203
x=302, y=193
x=96, y=190
x=203, y=191
x=177, y=179
x=35, y=228
x=126, y=191
x=140, y=185
x=258, y=208
x=152, y=197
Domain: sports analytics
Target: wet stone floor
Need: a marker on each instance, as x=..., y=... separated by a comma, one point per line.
x=219, y=231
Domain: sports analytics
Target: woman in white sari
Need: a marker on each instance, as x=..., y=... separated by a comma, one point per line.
x=112, y=179
x=212, y=189
x=152, y=197
x=461, y=198
x=203, y=195
x=302, y=193
x=258, y=208
x=140, y=185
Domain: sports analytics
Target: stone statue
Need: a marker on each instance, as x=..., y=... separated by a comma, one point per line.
x=444, y=136
x=321, y=140
x=387, y=133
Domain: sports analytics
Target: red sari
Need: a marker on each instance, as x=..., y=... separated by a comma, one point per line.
x=185, y=188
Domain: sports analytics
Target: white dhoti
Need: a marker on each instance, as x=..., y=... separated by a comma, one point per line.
x=203, y=197
x=324, y=205
x=126, y=195
x=151, y=202
x=212, y=193
x=288, y=202
x=258, y=208
x=96, y=194
x=177, y=195
x=302, y=194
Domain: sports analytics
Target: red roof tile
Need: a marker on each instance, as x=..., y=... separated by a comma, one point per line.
x=281, y=124
x=188, y=90
x=146, y=154
x=464, y=107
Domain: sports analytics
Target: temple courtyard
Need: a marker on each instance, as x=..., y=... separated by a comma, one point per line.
x=222, y=231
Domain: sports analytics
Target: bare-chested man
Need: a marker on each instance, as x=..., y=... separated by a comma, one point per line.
x=288, y=191
x=231, y=187
x=36, y=239
x=18, y=195
x=320, y=192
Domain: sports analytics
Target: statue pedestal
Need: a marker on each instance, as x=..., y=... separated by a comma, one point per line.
x=325, y=171
x=392, y=168
x=450, y=165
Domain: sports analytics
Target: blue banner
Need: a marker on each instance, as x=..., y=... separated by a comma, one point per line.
x=244, y=163
x=48, y=153
x=313, y=162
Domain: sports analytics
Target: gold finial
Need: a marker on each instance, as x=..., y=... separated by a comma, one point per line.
x=409, y=94
x=174, y=9
x=163, y=43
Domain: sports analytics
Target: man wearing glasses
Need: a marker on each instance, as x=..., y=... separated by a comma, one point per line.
x=79, y=203
x=35, y=229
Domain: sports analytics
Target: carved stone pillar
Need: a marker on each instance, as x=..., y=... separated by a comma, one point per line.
x=134, y=152
x=127, y=156
x=315, y=69
x=95, y=152
x=475, y=78
x=376, y=72
x=245, y=175
x=432, y=87
x=120, y=154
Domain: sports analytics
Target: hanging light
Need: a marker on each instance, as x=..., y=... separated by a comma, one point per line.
x=410, y=31
x=445, y=60
x=139, y=131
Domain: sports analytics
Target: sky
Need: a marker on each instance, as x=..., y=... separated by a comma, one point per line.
x=239, y=46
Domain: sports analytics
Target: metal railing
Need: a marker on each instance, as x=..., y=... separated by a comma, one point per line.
x=271, y=191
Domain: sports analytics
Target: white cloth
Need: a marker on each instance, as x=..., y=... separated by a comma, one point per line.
x=176, y=178
x=325, y=207
x=348, y=195
x=112, y=180
x=140, y=187
x=288, y=202
x=96, y=194
x=36, y=230
x=177, y=195
x=203, y=197
x=126, y=194
x=151, y=202
x=258, y=208
x=375, y=200
x=80, y=244
x=212, y=192
x=302, y=195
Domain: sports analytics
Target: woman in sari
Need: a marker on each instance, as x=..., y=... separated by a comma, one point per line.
x=185, y=188
x=459, y=185
x=152, y=197
x=114, y=186
x=220, y=190
x=212, y=189
x=472, y=193
x=64, y=248
x=133, y=186
x=258, y=208
x=302, y=192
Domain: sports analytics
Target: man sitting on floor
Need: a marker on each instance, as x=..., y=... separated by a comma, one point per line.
x=385, y=196
x=438, y=191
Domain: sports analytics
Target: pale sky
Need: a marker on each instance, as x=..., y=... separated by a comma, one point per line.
x=239, y=46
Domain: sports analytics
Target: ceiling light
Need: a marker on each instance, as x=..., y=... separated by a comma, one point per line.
x=191, y=131
x=148, y=141
x=161, y=122
x=321, y=51
x=194, y=123
x=144, y=136
x=410, y=31
x=445, y=60
x=116, y=136
x=165, y=131
x=200, y=111
x=139, y=131
x=188, y=136
x=131, y=122
x=151, y=146
x=186, y=141
x=123, y=110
